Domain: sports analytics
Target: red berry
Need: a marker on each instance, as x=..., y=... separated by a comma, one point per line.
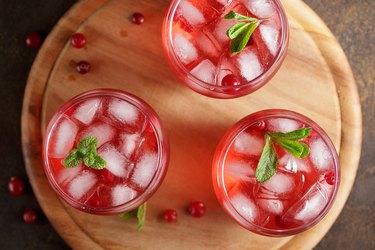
x=330, y=178
x=170, y=215
x=83, y=67
x=260, y=125
x=33, y=40
x=230, y=80
x=197, y=209
x=29, y=216
x=138, y=18
x=78, y=40
x=16, y=186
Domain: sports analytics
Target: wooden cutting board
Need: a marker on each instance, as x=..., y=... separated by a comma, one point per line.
x=315, y=80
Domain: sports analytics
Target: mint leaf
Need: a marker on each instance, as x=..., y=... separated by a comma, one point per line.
x=238, y=17
x=268, y=161
x=293, y=147
x=240, y=41
x=236, y=29
x=306, y=150
x=141, y=215
x=73, y=159
x=86, y=152
x=294, y=135
x=99, y=162
x=139, y=212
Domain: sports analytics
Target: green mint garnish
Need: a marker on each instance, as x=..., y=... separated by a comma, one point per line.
x=140, y=213
x=86, y=152
x=241, y=32
x=267, y=165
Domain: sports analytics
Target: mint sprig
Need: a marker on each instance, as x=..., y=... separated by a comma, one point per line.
x=86, y=152
x=267, y=165
x=240, y=32
x=139, y=212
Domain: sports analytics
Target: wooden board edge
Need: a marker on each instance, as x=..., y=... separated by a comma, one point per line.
x=351, y=115
x=31, y=138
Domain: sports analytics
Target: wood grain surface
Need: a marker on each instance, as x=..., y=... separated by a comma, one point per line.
x=315, y=80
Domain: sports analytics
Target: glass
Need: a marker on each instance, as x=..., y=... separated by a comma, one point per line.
x=293, y=200
x=197, y=47
x=131, y=139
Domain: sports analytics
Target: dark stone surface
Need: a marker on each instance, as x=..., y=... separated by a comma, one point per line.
x=352, y=22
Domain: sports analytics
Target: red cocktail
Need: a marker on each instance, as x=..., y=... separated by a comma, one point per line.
x=199, y=50
x=129, y=141
x=303, y=185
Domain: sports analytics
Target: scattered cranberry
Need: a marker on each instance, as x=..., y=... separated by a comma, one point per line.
x=15, y=186
x=33, y=40
x=197, y=209
x=29, y=216
x=330, y=178
x=78, y=40
x=138, y=18
x=170, y=215
x=83, y=67
x=260, y=125
x=230, y=80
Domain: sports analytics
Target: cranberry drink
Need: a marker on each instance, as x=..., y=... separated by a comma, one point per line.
x=265, y=183
x=224, y=48
x=105, y=152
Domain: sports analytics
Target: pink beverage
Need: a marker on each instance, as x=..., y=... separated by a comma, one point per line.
x=198, y=49
x=130, y=138
x=294, y=199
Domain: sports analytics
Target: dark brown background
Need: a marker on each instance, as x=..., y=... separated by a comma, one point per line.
x=351, y=21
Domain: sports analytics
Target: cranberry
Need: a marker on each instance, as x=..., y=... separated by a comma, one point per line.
x=230, y=80
x=33, y=40
x=78, y=40
x=330, y=178
x=29, y=216
x=170, y=215
x=138, y=18
x=83, y=67
x=16, y=186
x=197, y=209
x=260, y=125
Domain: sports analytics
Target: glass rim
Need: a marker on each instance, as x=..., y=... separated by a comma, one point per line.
x=218, y=170
x=252, y=85
x=160, y=134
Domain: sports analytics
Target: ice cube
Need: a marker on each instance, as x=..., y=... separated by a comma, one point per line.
x=244, y=206
x=205, y=71
x=283, y=125
x=271, y=205
x=260, y=8
x=67, y=174
x=280, y=184
x=63, y=138
x=308, y=206
x=240, y=170
x=249, y=65
x=123, y=111
x=220, y=30
x=249, y=144
x=320, y=155
x=129, y=143
x=293, y=164
x=207, y=45
x=191, y=13
x=184, y=48
x=122, y=194
x=103, y=131
x=82, y=184
x=116, y=163
x=270, y=36
x=86, y=111
x=145, y=170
